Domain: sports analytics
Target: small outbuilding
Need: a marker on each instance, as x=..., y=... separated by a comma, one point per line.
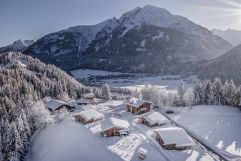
x=88, y=116
x=174, y=138
x=55, y=105
x=137, y=106
x=142, y=153
x=152, y=119
x=115, y=127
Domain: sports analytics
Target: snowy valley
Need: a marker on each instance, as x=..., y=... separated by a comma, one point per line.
x=147, y=85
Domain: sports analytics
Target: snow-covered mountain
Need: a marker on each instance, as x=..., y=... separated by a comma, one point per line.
x=227, y=67
x=147, y=39
x=18, y=45
x=232, y=36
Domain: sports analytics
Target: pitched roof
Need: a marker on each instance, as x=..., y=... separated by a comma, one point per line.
x=137, y=102
x=114, y=122
x=142, y=151
x=54, y=104
x=90, y=114
x=89, y=95
x=155, y=117
x=175, y=135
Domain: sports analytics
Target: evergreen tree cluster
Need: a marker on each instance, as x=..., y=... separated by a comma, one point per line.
x=24, y=80
x=217, y=93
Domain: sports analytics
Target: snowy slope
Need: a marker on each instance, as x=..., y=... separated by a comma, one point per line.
x=219, y=125
x=18, y=45
x=151, y=15
x=69, y=141
x=232, y=36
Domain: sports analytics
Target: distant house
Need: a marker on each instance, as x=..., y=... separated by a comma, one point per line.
x=174, y=138
x=89, y=96
x=88, y=116
x=152, y=119
x=83, y=101
x=115, y=127
x=55, y=105
x=137, y=106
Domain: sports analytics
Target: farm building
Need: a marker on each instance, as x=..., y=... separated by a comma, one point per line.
x=88, y=116
x=174, y=138
x=89, y=96
x=115, y=127
x=152, y=119
x=137, y=106
x=55, y=105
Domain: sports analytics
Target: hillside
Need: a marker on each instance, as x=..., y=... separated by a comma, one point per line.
x=18, y=45
x=147, y=39
x=226, y=67
x=24, y=79
x=232, y=36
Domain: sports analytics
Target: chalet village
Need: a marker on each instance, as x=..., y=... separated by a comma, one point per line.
x=115, y=120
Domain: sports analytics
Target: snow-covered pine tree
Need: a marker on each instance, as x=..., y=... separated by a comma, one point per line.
x=5, y=132
x=217, y=91
x=197, y=93
x=105, y=91
x=23, y=131
x=232, y=92
x=180, y=93
x=189, y=97
x=208, y=92
x=15, y=142
x=237, y=97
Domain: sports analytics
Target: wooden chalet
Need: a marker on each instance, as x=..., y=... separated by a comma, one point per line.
x=174, y=138
x=88, y=116
x=115, y=127
x=137, y=106
x=55, y=105
x=152, y=119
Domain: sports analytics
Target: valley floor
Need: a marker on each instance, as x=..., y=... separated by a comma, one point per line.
x=135, y=81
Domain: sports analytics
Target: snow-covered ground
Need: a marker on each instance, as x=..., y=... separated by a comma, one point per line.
x=219, y=125
x=73, y=141
x=68, y=141
x=171, y=82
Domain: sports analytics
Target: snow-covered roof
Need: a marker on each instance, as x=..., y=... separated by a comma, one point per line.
x=114, y=122
x=90, y=114
x=137, y=102
x=155, y=117
x=83, y=101
x=89, y=95
x=54, y=104
x=175, y=135
x=142, y=151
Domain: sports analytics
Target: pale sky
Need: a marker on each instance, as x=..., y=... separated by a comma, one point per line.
x=32, y=19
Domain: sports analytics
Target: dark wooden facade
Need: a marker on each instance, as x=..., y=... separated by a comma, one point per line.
x=170, y=146
x=145, y=107
x=82, y=120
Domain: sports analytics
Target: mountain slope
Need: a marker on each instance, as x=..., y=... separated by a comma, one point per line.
x=18, y=45
x=147, y=39
x=227, y=67
x=232, y=36
x=23, y=78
